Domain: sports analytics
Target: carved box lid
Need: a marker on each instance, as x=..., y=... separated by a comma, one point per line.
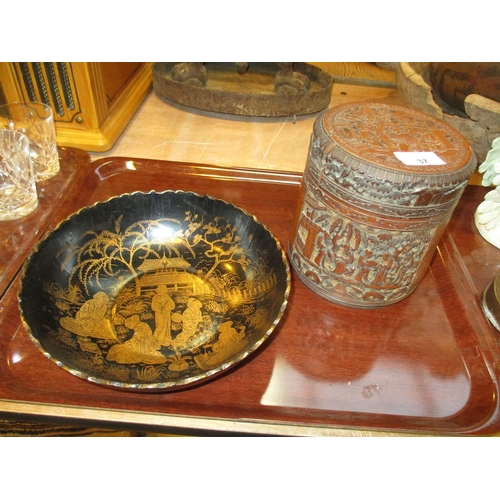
x=390, y=154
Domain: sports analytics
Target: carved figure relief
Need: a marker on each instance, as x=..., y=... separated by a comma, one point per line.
x=371, y=265
x=369, y=221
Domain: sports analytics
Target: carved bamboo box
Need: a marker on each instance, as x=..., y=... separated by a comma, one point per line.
x=379, y=187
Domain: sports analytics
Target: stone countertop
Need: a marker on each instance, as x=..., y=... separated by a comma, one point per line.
x=162, y=130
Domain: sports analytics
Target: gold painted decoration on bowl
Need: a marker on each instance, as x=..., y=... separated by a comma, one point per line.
x=154, y=291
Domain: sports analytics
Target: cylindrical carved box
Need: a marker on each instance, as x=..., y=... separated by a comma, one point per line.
x=379, y=187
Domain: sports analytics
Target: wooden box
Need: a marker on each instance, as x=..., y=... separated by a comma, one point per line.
x=92, y=101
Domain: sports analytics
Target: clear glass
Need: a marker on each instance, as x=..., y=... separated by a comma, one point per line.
x=18, y=194
x=36, y=121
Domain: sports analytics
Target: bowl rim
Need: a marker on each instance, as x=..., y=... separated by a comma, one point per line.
x=160, y=386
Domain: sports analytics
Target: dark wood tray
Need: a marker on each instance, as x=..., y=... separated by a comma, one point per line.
x=428, y=364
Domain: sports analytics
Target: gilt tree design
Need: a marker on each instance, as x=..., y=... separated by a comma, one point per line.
x=219, y=241
x=109, y=253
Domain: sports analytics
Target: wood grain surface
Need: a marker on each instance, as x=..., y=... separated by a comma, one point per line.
x=426, y=365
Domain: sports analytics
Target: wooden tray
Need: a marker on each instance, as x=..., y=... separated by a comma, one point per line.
x=428, y=364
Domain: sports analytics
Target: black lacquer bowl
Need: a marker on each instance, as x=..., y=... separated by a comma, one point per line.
x=154, y=291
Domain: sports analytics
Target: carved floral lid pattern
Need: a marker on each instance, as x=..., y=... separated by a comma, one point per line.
x=372, y=132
